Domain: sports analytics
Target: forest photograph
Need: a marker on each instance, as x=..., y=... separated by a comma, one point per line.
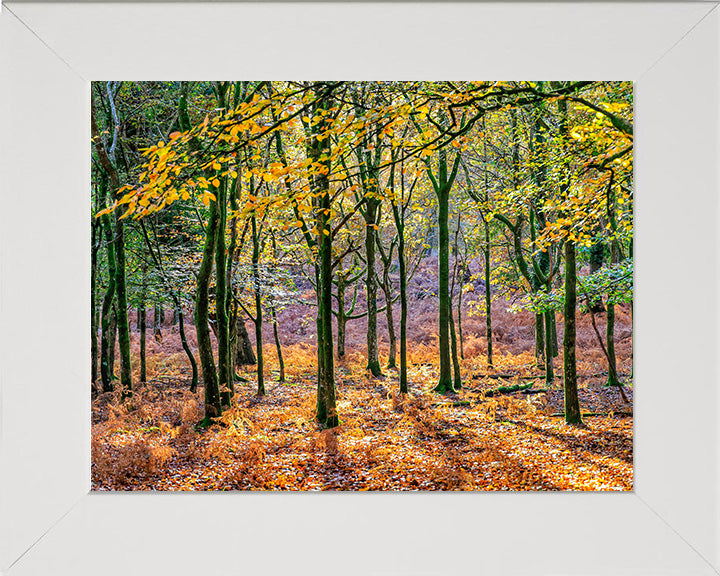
x=361, y=286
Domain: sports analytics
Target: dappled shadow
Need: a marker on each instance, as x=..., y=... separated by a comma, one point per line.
x=601, y=443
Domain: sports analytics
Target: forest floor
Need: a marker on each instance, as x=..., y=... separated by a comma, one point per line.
x=423, y=441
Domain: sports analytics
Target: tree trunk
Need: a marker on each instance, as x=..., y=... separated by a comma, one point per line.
x=572, y=403
x=539, y=339
x=258, y=308
x=610, y=332
x=445, y=380
x=112, y=336
x=244, y=354
x=387, y=291
x=225, y=379
x=370, y=214
x=108, y=166
x=457, y=380
x=122, y=309
x=488, y=296
x=281, y=361
x=319, y=151
x=341, y=317
x=213, y=408
x=461, y=343
x=549, y=370
x=330, y=419
x=403, y=309
x=597, y=256
x=186, y=347
x=157, y=331
x=614, y=259
x=107, y=336
x=143, y=360
x=93, y=304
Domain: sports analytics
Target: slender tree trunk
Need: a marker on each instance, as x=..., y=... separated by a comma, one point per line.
x=632, y=325
x=549, y=370
x=186, y=347
x=107, y=163
x=461, y=342
x=258, y=308
x=231, y=306
x=597, y=256
x=331, y=417
x=93, y=304
x=403, y=309
x=320, y=407
x=157, y=330
x=539, y=340
x=341, y=317
x=122, y=302
x=457, y=380
x=488, y=295
x=112, y=344
x=610, y=330
x=572, y=403
x=387, y=291
x=143, y=360
x=225, y=379
x=281, y=361
x=392, y=354
x=107, y=337
x=614, y=259
x=554, y=339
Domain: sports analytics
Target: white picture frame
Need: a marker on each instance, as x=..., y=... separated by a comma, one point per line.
x=51, y=524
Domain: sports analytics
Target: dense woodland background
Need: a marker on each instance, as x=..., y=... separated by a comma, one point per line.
x=362, y=285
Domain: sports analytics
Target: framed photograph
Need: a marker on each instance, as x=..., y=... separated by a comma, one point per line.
x=51, y=522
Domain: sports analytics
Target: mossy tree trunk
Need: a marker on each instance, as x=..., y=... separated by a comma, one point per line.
x=442, y=184
x=399, y=204
x=107, y=161
x=225, y=377
x=371, y=215
x=96, y=235
x=213, y=407
x=572, y=402
x=341, y=316
x=445, y=381
x=319, y=151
